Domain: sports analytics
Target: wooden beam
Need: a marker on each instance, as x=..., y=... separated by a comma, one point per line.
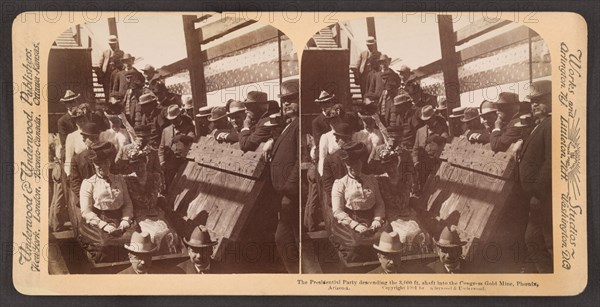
x=449, y=62
x=195, y=60
x=476, y=29
x=494, y=43
x=112, y=27
x=371, y=27
x=220, y=28
x=244, y=41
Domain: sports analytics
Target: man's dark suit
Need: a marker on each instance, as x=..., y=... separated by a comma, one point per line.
x=187, y=267
x=251, y=138
x=320, y=126
x=81, y=169
x=284, y=177
x=66, y=125
x=438, y=267
x=501, y=140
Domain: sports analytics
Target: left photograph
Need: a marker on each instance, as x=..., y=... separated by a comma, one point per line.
x=174, y=147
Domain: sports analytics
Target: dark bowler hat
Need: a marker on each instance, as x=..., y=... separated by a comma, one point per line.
x=200, y=238
x=256, y=97
x=148, y=98
x=470, y=114
x=539, y=88
x=141, y=243
x=289, y=88
x=204, y=111
x=217, y=113
x=173, y=112
x=507, y=98
x=325, y=97
x=102, y=151
x=389, y=242
x=90, y=128
x=69, y=96
x=458, y=112
x=525, y=120
x=353, y=150
x=487, y=107
x=274, y=120
x=342, y=129
x=449, y=238
x=142, y=130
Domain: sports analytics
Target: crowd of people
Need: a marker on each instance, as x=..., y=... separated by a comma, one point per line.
x=371, y=158
x=117, y=163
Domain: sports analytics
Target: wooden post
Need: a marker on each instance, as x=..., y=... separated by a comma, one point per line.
x=371, y=27
x=449, y=63
x=195, y=62
x=112, y=26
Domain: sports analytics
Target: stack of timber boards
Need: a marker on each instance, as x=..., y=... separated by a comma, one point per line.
x=472, y=189
x=220, y=182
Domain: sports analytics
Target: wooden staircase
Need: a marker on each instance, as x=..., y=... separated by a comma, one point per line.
x=324, y=39
x=354, y=89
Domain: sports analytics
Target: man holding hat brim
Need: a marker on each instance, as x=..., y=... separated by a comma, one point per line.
x=200, y=249
x=180, y=124
x=505, y=133
x=105, y=64
x=475, y=131
x=362, y=66
x=535, y=177
x=449, y=246
x=222, y=129
x=389, y=252
x=254, y=131
x=141, y=249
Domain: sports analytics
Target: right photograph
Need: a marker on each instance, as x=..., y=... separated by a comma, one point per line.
x=426, y=147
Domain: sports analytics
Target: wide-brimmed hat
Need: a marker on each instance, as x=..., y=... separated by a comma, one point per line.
x=458, y=112
x=325, y=97
x=143, y=130
x=148, y=98
x=69, y=96
x=90, y=128
x=200, y=238
x=274, y=120
x=102, y=151
x=188, y=102
x=384, y=58
x=449, y=238
x=507, y=98
x=525, y=120
x=470, y=114
x=217, y=113
x=204, y=111
x=539, y=88
x=141, y=243
x=442, y=104
x=404, y=69
x=149, y=67
x=427, y=112
x=371, y=40
x=256, y=97
x=353, y=150
x=389, y=242
x=128, y=56
x=289, y=88
x=487, y=107
x=402, y=98
x=342, y=129
x=112, y=39
x=173, y=112
x=236, y=107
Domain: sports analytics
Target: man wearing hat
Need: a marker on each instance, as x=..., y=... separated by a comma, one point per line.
x=66, y=123
x=105, y=64
x=454, y=120
x=140, y=251
x=475, y=131
x=321, y=124
x=407, y=119
x=119, y=83
x=385, y=86
x=404, y=73
x=505, y=133
x=200, y=249
x=164, y=96
x=254, y=131
x=419, y=97
x=221, y=127
x=135, y=82
x=180, y=124
x=204, y=126
x=389, y=253
x=362, y=66
x=489, y=114
x=449, y=248
x=142, y=138
x=535, y=177
x=426, y=149
x=74, y=142
x=151, y=76
x=188, y=107
x=150, y=114
x=236, y=112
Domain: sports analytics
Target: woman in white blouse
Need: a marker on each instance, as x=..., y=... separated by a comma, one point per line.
x=355, y=198
x=106, y=207
x=75, y=143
